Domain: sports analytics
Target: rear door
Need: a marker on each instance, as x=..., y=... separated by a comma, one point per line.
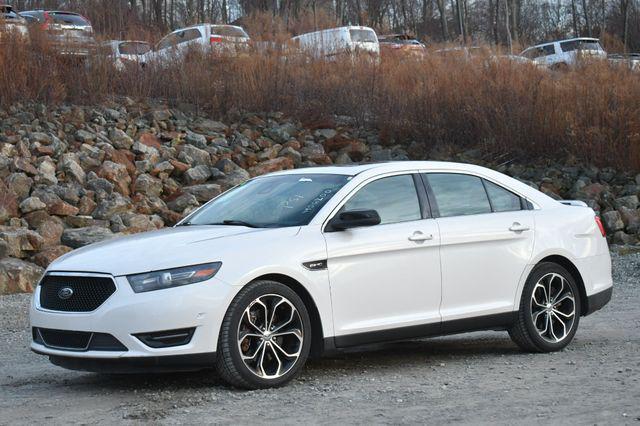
x=385, y=276
x=486, y=242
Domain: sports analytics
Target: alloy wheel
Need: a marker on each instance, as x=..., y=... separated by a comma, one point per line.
x=270, y=336
x=553, y=307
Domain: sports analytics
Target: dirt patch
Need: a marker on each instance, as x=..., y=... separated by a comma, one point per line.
x=473, y=378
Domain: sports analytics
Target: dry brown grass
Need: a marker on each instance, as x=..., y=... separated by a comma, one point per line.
x=591, y=113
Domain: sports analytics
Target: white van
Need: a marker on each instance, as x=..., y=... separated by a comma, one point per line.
x=339, y=41
x=219, y=38
x=563, y=53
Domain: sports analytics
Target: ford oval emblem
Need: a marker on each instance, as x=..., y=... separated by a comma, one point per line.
x=65, y=292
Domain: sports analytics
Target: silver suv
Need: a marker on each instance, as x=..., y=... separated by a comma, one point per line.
x=70, y=32
x=565, y=53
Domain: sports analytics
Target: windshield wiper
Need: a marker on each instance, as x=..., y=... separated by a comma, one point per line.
x=224, y=222
x=235, y=223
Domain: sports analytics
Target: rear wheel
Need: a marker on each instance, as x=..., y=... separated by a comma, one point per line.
x=265, y=337
x=549, y=310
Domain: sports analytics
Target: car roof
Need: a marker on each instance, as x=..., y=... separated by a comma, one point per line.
x=384, y=167
x=374, y=169
x=564, y=40
x=336, y=29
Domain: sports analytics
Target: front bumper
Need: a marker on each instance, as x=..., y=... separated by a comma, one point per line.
x=125, y=314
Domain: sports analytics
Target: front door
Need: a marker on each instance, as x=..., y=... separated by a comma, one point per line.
x=385, y=276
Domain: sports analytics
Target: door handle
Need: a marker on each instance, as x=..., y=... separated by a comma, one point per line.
x=419, y=237
x=517, y=227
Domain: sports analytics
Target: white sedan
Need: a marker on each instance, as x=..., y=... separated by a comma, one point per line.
x=306, y=262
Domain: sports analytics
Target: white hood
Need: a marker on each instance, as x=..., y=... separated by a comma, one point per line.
x=166, y=248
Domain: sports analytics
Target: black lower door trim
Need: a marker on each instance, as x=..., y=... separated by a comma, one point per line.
x=124, y=365
x=598, y=300
x=486, y=322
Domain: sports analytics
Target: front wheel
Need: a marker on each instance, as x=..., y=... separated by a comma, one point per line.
x=549, y=310
x=265, y=337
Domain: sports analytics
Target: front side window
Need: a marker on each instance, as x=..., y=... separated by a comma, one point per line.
x=458, y=194
x=501, y=199
x=167, y=41
x=394, y=198
x=188, y=35
x=271, y=201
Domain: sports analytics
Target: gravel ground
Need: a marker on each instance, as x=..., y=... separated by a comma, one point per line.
x=476, y=378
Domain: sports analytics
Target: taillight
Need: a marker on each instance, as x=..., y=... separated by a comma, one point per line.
x=215, y=39
x=600, y=226
x=47, y=20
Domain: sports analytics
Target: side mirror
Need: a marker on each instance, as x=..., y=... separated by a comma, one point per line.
x=353, y=219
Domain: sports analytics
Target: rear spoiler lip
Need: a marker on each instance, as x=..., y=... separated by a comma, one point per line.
x=576, y=203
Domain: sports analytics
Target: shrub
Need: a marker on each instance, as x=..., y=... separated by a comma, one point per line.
x=591, y=113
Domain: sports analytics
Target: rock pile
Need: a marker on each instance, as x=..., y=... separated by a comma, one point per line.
x=71, y=175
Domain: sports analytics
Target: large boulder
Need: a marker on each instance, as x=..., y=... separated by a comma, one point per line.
x=197, y=175
x=205, y=192
x=44, y=257
x=269, y=166
x=80, y=237
x=18, y=276
x=21, y=242
x=117, y=174
x=612, y=221
x=111, y=205
x=8, y=203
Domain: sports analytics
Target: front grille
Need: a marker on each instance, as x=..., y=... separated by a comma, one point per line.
x=74, y=293
x=76, y=340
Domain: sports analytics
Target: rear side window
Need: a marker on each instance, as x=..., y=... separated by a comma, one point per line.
x=394, y=198
x=363, y=36
x=549, y=50
x=69, y=19
x=501, y=199
x=458, y=195
x=227, y=31
x=569, y=46
x=188, y=35
x=133, y=48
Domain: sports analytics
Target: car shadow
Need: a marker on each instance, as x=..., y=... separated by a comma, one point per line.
x=374, y=357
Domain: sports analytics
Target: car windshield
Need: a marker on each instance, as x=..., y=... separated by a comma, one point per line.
x=271, y=201
x=69, y=19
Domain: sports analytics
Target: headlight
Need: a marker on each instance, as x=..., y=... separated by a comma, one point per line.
x=173, y=277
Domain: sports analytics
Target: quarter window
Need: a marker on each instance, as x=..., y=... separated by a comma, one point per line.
x=501, y=199
x=458, y=194
x=394, y=198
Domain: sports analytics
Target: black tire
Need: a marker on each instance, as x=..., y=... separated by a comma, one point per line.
x=229, y=364
x=524, y=332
